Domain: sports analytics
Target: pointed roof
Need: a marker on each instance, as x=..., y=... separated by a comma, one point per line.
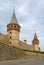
x=35, y=36
x=14, y=19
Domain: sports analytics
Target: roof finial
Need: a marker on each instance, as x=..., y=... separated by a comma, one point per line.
x=35, y=31
x=14, y=19
x=14, y=8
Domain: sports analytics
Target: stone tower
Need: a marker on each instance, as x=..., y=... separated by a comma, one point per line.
x=13, y=29
x=35, y=43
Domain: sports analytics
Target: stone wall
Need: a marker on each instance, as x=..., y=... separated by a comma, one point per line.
x=4, y=38
x=14, y=34
x=34, y=55
x=25, y=46
x=22, y=45
x=16, y=43
x=14, y=40
x=8, y=52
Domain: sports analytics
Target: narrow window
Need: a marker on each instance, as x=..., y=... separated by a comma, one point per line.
x=11, y=25
x=10, y=37
x=15, y=26
x=10, y=32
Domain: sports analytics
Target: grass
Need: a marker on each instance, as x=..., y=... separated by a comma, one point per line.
x=33, y=51
x=42, y=52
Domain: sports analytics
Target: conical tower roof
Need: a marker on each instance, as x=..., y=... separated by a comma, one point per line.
x=13, y=19
x=13, y=25
x=35, y=36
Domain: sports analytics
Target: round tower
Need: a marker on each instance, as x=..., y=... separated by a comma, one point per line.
x=35, y=43
x=13, y=29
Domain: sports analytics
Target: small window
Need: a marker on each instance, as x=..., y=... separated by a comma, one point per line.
x=11, y=25
x=10, y=32
x=10, y=37
x=15, y=26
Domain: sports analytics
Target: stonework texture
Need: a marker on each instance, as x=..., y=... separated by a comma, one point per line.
x=16, y=42
x=8, y=52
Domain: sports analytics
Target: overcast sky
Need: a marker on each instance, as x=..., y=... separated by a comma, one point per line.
x=30, y=16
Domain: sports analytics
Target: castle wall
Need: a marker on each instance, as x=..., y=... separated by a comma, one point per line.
x=25, y=46
x=14, y=40
x=4, y=38
x=12, y=53
x=13, y=34
x=36, y=47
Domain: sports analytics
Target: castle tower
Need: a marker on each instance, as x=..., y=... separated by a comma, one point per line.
x=13, y=29
x=35, y=43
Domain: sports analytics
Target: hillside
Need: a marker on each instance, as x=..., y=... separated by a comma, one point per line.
x=12, y=53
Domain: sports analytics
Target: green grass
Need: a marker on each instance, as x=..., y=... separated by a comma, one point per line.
x=42, y=52
x=33, y=51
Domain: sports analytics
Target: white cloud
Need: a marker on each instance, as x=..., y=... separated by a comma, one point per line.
x=32, y=11
x=41, y=42
x=22, y=9
x=6, y=5
x=2, y=27
x=1, y=9
x=27, y=31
